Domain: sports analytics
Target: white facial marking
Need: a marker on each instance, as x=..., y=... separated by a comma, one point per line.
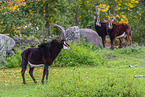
x=65, y=46
x=121, y=35
x=110, y=25
x=35, y=65
x=98, y=24
x=94, y=17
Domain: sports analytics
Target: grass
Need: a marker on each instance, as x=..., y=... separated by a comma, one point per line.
x=75, y=81
x=104, y=73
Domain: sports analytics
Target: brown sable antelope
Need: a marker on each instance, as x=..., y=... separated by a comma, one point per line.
x=100, y=27
x=45, y=54
x=118, y=30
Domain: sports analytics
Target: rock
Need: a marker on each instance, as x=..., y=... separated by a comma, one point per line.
x=130, y=65
x=73, y=34
x=139, y=76
x=92, y=36
x=25, y=42
x=6, y=44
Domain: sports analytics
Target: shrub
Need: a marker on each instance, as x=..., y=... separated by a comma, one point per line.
x=131, y=49
x=14, y=60
x=78, y=55
x=84, y=54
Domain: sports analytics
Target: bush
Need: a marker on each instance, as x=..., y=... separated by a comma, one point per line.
x=14, y=60
x=78, y=55
x=84, y=54
x=131, y=49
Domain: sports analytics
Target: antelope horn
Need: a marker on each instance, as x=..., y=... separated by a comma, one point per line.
x=106, y=15
x=96, y=11
x=112, y=20
x=110, y=14
x=99, y=12
x=63, y=34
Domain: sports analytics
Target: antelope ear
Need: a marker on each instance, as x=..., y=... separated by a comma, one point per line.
x=94, y=17
x=105, y=20
x=112, y=20
x=59, y=39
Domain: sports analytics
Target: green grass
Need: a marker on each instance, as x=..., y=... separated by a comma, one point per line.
x=75, y=81
x=94, y=73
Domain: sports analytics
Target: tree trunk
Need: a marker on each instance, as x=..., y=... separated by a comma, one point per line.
x=76, y=17
x=114, y=8
x=47, y=21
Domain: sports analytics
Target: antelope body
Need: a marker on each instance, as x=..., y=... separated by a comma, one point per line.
x=100, y=27
x=45, y=54
x=119, y=30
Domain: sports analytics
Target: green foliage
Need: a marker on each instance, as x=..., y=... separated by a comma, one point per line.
x=132, y=49
x=14, y=60
x=78, y=55
x=84, y=54
x=18, y=14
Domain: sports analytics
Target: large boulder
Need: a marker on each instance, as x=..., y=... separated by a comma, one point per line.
x=92, y=36
x=25, y=42
x=6, y=44
x=73, y=34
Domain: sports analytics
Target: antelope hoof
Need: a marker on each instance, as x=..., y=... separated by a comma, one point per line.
x=42, y=82
x=25, y=83
x=112, y=48
x=35, y=81
x=120, y=47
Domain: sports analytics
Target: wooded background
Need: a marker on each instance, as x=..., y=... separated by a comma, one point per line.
x=32, y=18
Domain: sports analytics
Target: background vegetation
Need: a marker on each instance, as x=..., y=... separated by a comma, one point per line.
x=24, y=18
x=82, y=70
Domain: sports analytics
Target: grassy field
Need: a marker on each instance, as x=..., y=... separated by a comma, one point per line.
x=105, y=73
x=75, y=81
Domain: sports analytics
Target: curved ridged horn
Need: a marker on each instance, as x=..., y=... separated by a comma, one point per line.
x=110, y=14
x=96, y=11
x=99, y=12
x=62, y=35
x=106, y=15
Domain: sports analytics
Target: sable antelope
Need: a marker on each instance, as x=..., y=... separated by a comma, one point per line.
x=118, y=30
x=45, y=54
x=100, y=27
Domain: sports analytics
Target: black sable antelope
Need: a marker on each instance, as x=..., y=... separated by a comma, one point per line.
x=100, y=27
x=45, y=54
x=118, y=30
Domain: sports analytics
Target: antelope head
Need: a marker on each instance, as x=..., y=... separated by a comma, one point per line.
x=62, y=38
x=110, y=26
x=97, y=17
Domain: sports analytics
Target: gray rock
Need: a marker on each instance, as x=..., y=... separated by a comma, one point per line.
x=73, y=34
x=92, y=36
x=25, y=42
x=6, y=44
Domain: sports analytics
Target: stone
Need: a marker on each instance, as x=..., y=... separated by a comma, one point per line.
x=73, y=34
x=92, y=36
x=6, y=44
